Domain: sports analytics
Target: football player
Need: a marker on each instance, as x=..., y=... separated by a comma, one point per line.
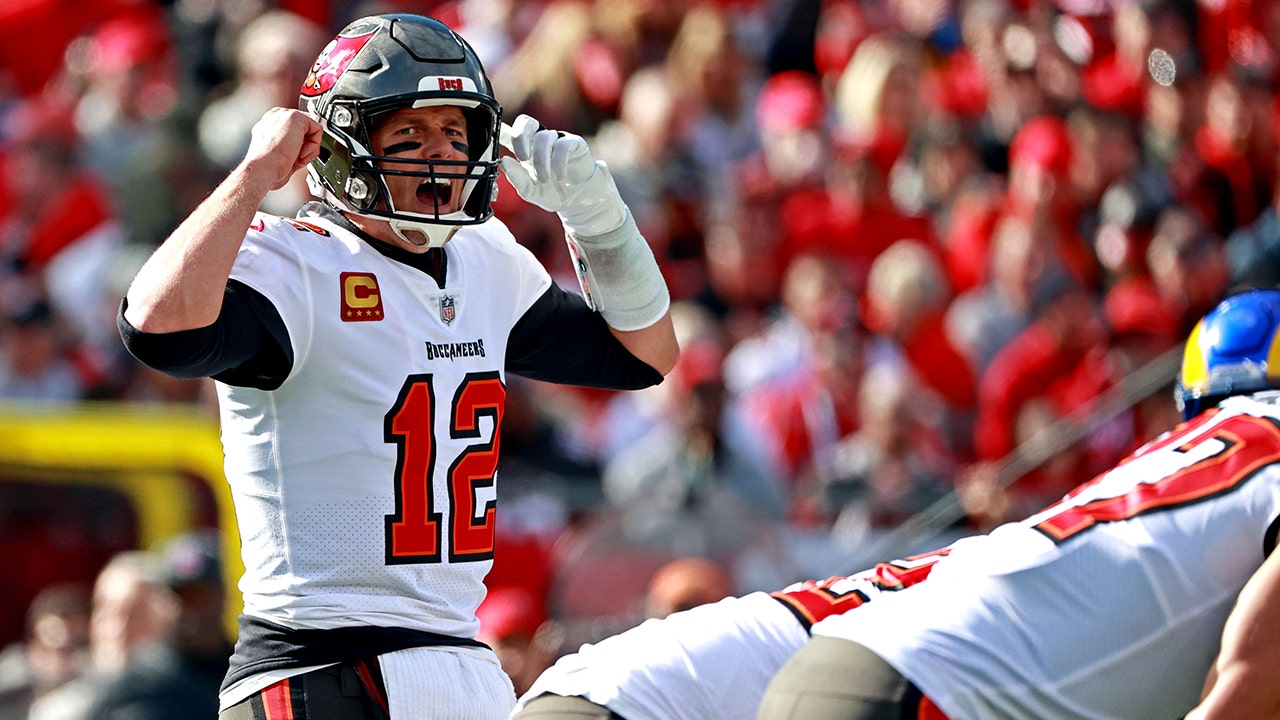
x=709, y=662
x=360, y=352
x=1110, y=603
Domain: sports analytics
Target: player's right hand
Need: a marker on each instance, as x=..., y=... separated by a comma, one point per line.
x=283, y=141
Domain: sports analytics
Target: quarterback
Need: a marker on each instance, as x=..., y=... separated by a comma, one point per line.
x=360, y=352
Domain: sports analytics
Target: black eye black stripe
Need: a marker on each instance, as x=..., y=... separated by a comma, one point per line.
x=401, y=147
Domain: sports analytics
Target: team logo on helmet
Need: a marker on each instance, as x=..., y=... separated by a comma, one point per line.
x=332, y=62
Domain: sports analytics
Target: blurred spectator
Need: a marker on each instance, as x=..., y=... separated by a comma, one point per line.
x=538, y=77
x=1114, y=78
x=907, y=294
x=271, y=60
x=1042, y=159
x=133, y=616
x=814, y=298
x=58, y=231
x=658, y=174
x=1187, y=264
x=987, y=317
x=892, y=467
x=1048, y=351
x=996, y=491
x=194, y=573
x=1253, y=251
x=539, y=456
x=962, y=83
x=853, y=215
x=34, y=360
x=145, y=385
x=1126, y=215
x=690, y=457
x=1105, y=151
x=877, y=93
x=967, y=229
x=54, y=651
x=1229, y=191
x=790, y=115
x=743, y=219
x=122, y=113
x=717, y=87
x=157, y=639
x=685, y=583
x=30, y=61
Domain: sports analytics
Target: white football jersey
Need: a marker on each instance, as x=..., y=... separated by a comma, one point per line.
x=364, y=485
x=1108, y=604
x=712, y=662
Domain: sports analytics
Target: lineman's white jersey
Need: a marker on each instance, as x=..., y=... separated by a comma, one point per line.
x=1108, y=604
x=364, y=485
x=712, y=662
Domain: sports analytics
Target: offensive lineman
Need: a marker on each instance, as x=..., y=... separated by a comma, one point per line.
x=709, y=662
x=360, y=352
x=1110, y=603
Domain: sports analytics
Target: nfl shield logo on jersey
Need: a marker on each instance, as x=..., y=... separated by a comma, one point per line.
x=447, y=310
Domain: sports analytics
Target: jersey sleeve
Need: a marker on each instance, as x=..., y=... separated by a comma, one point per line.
x=247, y=345
x=560, y=340
x=270, y=263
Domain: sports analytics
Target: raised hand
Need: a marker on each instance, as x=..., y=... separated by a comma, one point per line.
x=557, y=172
x=283, y=141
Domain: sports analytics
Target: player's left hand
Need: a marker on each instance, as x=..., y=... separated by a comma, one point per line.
x=557, y=172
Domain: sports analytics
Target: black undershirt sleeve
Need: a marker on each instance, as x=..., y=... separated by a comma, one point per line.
x=560, y=340
x=248, y=345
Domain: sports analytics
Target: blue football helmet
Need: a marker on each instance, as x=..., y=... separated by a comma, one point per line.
x=1234, y=350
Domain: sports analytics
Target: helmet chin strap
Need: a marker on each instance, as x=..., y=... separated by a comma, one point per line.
x=428, y=235
x=417, y=234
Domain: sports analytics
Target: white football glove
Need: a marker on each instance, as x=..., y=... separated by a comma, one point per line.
x=557, y=172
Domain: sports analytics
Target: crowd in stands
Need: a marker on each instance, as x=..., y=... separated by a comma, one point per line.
x=902, y=237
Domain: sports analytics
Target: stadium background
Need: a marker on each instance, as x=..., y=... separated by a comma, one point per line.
x=931, y=262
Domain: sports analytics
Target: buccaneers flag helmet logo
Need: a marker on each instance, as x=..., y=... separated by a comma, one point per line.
x=332, y=62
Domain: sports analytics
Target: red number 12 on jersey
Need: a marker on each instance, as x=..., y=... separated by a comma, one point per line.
x=414, y=531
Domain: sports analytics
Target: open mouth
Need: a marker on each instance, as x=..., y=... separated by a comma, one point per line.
x=436, y=194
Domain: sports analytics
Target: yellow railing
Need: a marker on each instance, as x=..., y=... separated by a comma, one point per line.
x=147, y=453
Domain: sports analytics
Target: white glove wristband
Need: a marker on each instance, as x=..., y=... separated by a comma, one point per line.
x=619, y=275
x=556, y=171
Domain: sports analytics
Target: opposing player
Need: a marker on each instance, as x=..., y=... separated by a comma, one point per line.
x=360, y=352
x=1156, y=551
x=1110, y=603
x=709, y=662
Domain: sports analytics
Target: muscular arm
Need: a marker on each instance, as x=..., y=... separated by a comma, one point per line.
x=655, y=345
x=181, y=286
x=557, y=172
x=1243, y=683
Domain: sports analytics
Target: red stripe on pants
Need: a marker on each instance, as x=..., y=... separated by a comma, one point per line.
x=277, y=701
x=366, y=670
